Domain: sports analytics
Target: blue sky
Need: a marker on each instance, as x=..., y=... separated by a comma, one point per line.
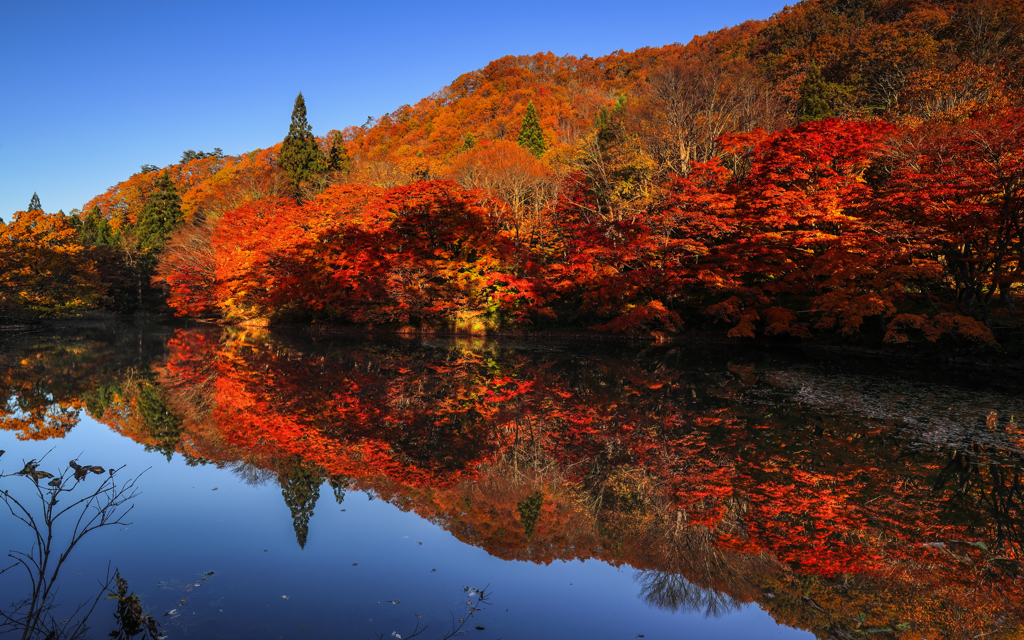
x=93, y=90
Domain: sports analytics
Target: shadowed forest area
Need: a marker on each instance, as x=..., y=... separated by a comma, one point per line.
x=845, y=170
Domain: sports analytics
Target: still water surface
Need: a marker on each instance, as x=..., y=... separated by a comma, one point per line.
x=361, y=488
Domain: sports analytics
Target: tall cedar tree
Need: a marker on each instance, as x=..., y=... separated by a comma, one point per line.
x=814, y=103
x=531, y=137
x=338, y=159
x=160, y=216
x=300, y=155
x=34, y=204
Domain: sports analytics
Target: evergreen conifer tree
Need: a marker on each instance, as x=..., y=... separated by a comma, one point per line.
x=160, y=216
x=531, y=137
x=814, y=96
x=34, y=204
x=95, y=230
x=468, y=142
x=338, y=160
x=300, y=155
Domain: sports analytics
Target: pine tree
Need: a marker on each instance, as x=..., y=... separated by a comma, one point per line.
x=531, y=137
x=34, y=204
x=95, y=230
x=338, y=160
x=160, y=216
x=609, y=122
x=814, y=93
x=468, y=142
x=300, y=155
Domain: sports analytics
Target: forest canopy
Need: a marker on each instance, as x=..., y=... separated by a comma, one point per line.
x=842, y=168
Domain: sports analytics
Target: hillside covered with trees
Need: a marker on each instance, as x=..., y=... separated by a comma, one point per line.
x=850, y=167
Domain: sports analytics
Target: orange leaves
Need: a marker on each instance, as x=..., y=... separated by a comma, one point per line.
x=245, y=243
x=964, y=184
x=808, y=175
x=794, y=227
x=188, y=270
x=651, y=316
x=43, y=268
x=934, y=328
x=521, y=186
x=54, y=420
x=422, y=252
x=780, y=321
x=122, y=203
x=237, y=180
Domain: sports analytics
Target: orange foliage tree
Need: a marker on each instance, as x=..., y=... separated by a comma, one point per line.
x=964, y=184
x=44, y=270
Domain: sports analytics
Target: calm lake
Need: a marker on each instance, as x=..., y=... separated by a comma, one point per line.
x=287, y=486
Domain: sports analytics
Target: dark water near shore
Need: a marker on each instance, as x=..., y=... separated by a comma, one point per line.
x=361, y=488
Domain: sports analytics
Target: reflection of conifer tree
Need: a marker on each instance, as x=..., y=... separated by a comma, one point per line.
x=300, y=487
x=529, y=512
x=339, y=484
x=99, y=399
x=163, y=426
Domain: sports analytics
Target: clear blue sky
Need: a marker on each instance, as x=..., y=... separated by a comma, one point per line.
x=92, y=90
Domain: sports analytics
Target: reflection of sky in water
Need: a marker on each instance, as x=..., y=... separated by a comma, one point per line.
x=184, y=528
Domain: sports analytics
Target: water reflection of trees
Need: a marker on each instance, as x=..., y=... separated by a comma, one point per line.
x=300, y=487
x=45, y=377
x=985, y=494
x=701, y=476
x=673, y=592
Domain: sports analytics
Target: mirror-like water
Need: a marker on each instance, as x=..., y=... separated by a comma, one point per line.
x=292, y=488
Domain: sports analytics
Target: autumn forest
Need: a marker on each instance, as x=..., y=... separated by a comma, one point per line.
x=721, y=478
x=842, y=170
